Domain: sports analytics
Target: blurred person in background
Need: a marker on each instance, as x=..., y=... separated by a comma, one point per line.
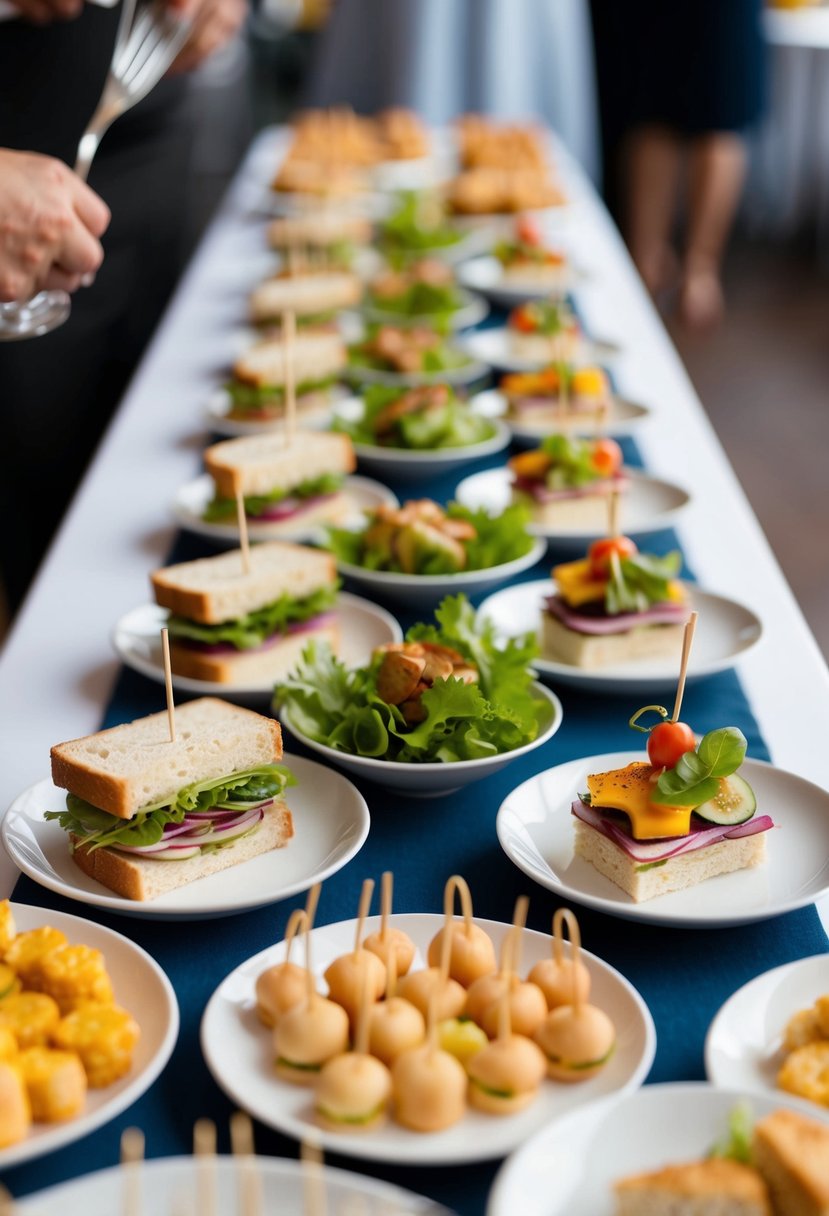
x=57, y=392
x=679, y=81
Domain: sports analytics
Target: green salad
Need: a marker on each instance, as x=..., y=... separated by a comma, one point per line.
x=406, y=351
x=448, y=693
x=420, y=419
x=267, y=506
x=418, y=224
x=435, y=300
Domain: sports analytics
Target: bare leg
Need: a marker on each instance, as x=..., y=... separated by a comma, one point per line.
x=652, y=162
x=716, y=171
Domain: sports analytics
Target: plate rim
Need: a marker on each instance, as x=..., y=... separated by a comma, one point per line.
x=144, y=909
x=351, y=1147
x=62, y=1134
x=390, y=578
x=450, y=456
x=647, y=912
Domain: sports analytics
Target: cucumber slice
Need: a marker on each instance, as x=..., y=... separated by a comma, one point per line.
x=735, y=803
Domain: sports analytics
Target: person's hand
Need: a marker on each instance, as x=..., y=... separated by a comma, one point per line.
x=214, y=24
x=43, y=12
x=50, y=222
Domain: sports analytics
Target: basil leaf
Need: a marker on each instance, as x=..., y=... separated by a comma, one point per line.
x=723, y=751
x=696, y=776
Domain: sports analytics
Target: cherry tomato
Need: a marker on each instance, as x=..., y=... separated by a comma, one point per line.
x=523, y=320
x=668, y=742
x=607, y=457
x=600, y=551
x=527, y=230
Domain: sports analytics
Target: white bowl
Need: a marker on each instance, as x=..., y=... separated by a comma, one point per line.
x=469, y=312
x=430, y=780
x=468, y=373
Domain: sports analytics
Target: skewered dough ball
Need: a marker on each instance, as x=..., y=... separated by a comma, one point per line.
x=278, y=989
x=417, y=987
x=472, y=952
x=485, y=992
x=395, y=1025
x=347, y=974
x=394, y=939
x=505, y=1076
x=307, y=1036
x=353, y=1093
x=577, y=1040
x=527, y=1007
x=428, y=1089
x=555, y=978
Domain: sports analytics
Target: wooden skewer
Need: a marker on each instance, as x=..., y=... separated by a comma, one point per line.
x=241, y=1143
x=289, y=341
x=391, y=974
x=386, y=892
x=204, y=1147
x=242, y=520
x=504, y=1015
x=563, y=916
x=459, y=884
x=687, y=640
x=519, y=921
x=563, y=387
x=313, y=1179
x=613, y=512
x=6, y=1202
x=362, y=913
x=132, y=1154
x=168, y=683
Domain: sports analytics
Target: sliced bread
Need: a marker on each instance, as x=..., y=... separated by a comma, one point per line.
x=305, y=295
x=317, y=356
x=260, y=464
x=700, y=1188
x=260, y=668
x=791, y=1151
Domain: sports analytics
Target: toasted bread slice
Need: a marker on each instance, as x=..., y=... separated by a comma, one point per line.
x=317, y=356
x=142, y=878
x=264, y=666
x=127, y=767
x=319, y=230
x=791, y=1151
x=593, y=651
x=701, y=1188
x=260, y=464
x=305, y=295
x=215, y=589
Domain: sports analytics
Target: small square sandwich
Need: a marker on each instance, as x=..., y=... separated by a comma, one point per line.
x=314, y=298
x=257, y=387
x=566, y=483
x=146, y=815
x=281, y=481
x=336, y=234
x=560, y=396
x=700, y=1188
x=232, y=626
x=791, y=1152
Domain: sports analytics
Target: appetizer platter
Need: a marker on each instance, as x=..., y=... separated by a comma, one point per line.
x=769, y=1036
x=133, y=1044
x=535, y=830
x=240, y=1054
x=284, y=1187
x=648, y=505
x=614, y=1152
x=331, y=826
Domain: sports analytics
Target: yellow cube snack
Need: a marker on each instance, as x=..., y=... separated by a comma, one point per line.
x=30, y=1016
x=806, y=1073
x=15, y=1110
x=73, y=975
x=56, y=1083
x=26, y=953
x=104, y=1036
x=9, y=982
x=8, y=1044
x=8, y=929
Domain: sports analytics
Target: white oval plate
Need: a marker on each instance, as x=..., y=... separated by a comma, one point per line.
x=331, y=823
x=192, y=498
x=744, y=1041
x=486, y=275
x=569, y=1168
x=535, y=831
x=624, y=417
x=404, y=464
x=141, y=987
x=427, y=590
x=171, y=1184
x=467, y=374
x=494, y=347
x=238, y=1050
x=435, y=778
x=137, y=642
x=469, y=312
x=647, y=505
x=726, y=631
x=319, y=419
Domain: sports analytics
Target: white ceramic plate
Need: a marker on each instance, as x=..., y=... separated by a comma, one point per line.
x=648, y=505
x=725, y=632
x=192, y=498
x=743, y=1048
x=535, y=829
x=433, y=779
x=239, y=1054
x=427, y=590
x=141, y=987
x=317, y=419
x=623, y=419
x=467, y=373
x=137, y=642
x=405, y=464
x=171, y=1184
x=494, y=347
x=569, y=1168
x=469, y=312
x=486, y=275
x=331, y=822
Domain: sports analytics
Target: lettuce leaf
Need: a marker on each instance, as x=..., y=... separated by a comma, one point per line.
x=258, y=396
x=639, y=581
x=411, y=227
x=257, y=504
x=420, y=299
x=256, y=627
x=427, y=428
x=572, y=462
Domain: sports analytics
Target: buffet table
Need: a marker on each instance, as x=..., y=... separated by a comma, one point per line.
x=58, y=680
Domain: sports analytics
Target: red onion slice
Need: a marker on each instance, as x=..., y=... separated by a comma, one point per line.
x=670, y=846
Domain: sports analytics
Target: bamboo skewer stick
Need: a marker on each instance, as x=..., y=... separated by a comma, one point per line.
x=204, y=1147
x=168, y=683
x=132, y=1154
x=250, y=1182
x=687, y=641
x=313, y=1179
x=289, y=342
x=244, y=540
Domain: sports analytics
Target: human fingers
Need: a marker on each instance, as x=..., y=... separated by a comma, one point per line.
x=78, y=252
x=92, y=211
x=58, y=279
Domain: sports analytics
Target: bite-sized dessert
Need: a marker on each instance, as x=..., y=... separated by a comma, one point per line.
x=315, y=299
x=389, y=939
x=281, y=482
x=433, y=990
x=425, y=289
x=333, y=237
x=402, y=134
x=565, y=482
x=614, y=606
x=526, y=259
x=428, y=418
x=487, y=190
x=696, y=1188
x=675, y=820
x=418, y=225
x=232, y=624
x=545, y=331
x=359, y=976
x=561, y=978
x=144, y=819
x=472, y=953
x=416, y=351
x=504, y=1077
x=257, y=388
x=562, y=396
x=428, y=1084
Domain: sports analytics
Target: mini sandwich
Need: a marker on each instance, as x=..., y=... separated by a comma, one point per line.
x=314, y=298
x=700, y=1188
x=566, y=482
x=791, y=1152
x=257, y=389
x=561, y=396
x=335, y=234
x=233, y=626
x=146, y=815
x=546, y=331
x=279, y=481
